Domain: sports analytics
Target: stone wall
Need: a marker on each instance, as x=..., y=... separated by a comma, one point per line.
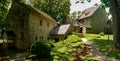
x=98, y=21
x=17, y=21
x=39, y=27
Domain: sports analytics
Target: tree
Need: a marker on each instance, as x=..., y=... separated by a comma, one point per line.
x=3, y=11
x=115, y=11
x=4, y=8
x=58, y=9
x=73, y=15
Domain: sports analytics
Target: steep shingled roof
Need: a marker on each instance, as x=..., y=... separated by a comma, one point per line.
x=88, y=12
x=62, y=29
x=74, y=22
x=33, y=9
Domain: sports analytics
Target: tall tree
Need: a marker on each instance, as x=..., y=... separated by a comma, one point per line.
x=3, y=11
x=115, y=11
x=4, y=8
x=58, y=9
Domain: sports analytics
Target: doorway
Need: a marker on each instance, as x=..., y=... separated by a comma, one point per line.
x=81, y=30
x=56, y=39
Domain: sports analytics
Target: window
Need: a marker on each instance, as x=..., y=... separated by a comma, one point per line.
x=81, y=30
x=41, y=22
x=56, y=39
x=41, y=38
x=36, y=38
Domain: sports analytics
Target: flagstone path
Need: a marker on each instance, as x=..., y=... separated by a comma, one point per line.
x=95, y=52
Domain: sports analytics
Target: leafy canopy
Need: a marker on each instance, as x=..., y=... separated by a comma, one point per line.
x=4, y=7
x=58, y=9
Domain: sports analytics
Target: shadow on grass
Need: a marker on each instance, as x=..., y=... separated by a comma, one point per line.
x=12, y=52
x=105, y=47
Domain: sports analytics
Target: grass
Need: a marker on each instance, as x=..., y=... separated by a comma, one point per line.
x=104, y=45
x=63, y=48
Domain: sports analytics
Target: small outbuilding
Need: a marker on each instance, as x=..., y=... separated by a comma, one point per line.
x=78, y=27
x=60, y=32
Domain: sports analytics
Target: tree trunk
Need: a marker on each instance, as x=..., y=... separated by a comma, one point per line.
x=115, y=11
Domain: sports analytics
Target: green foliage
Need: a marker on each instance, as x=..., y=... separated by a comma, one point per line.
x=4, y=8
x=61, y=52
x=78, y=44
x=89, y=58
x=63, y=48
x=3, y=11
x=105, y=3
x=41, y=49
x=101, y=34
x=73, y=15
x=58, y=9
x=72, y=38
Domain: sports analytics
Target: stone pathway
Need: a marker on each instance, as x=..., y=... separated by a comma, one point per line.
x=95, y=52
x=19, y=57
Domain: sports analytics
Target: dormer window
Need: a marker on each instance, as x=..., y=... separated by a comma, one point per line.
x=87, y=12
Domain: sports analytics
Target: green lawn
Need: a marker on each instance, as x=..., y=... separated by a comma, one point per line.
x=102, y=43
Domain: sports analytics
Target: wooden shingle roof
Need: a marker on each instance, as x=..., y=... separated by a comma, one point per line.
x=33, y=9
x=62, y=29
x=88, y=12
x=74, y=23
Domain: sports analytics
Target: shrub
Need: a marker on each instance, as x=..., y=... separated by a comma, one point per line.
x=41, y=49
x=101, y=34
x=72, y=38
x=62, y=50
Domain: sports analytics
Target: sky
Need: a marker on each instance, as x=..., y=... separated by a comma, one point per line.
x=81, y=6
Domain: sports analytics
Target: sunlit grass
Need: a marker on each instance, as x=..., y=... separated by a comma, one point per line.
x=104, y=44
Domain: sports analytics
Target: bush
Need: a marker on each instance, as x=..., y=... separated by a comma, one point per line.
x=41, y=49
x=101, y=34
x=72, y=38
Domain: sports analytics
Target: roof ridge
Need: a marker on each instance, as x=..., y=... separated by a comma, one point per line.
x=31, y=8
x=88, y=12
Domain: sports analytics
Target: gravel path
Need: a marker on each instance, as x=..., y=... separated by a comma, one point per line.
x=95, y=52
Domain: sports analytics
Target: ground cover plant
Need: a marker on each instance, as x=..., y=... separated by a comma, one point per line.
x=70, y=49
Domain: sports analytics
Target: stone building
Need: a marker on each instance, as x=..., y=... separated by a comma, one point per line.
x=26, y=25
x=94, y=18
x=78, y=27
x=60, y=32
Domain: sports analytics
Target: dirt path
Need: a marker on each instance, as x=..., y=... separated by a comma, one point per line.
x=95, y=52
